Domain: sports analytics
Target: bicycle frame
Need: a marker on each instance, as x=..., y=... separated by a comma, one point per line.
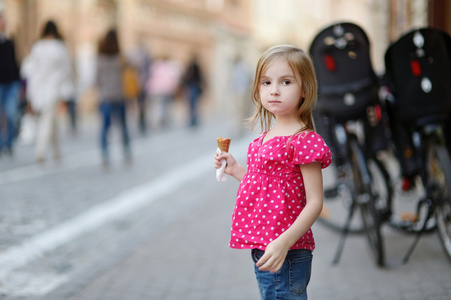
x=356, y=177
x=421, y=138
x=428, y=132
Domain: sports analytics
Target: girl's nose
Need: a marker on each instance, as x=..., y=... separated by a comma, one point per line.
x=275, y=91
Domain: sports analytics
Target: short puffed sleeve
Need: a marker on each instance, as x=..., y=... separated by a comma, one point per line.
x=308, y=147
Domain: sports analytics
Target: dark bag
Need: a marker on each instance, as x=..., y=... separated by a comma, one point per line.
x=418, y=71
x=347, y=84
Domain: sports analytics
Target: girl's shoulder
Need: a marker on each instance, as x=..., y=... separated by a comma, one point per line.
x=259, y=138
x=306, y=135
x=308, y=139
x=307, y=147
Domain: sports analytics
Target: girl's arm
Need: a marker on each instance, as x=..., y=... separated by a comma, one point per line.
x=232, y=168
x=277, y=250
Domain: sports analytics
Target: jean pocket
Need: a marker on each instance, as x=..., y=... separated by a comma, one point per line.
x=256, y=254
x=300, y=269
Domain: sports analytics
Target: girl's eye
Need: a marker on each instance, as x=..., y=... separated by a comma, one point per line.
x=286, y=82
x=266, y=82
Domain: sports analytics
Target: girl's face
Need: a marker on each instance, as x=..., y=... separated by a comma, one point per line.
x=280, y=92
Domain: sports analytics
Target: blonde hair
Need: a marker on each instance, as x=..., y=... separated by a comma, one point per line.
x=302, y=67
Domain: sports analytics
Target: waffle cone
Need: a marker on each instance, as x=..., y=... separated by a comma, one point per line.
x=223, y=144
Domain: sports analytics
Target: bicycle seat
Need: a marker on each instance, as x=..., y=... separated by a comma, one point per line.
x=418, y=71
x=346, y=80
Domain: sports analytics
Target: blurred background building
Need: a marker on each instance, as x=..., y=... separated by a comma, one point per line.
x=219, y=31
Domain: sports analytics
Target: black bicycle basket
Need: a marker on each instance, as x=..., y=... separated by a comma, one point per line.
x=347, y=84
x=418, y=71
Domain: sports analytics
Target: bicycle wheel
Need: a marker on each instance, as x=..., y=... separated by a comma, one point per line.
x=366, y=201
x=339, y=203
x=381, y=189
x=439, y=176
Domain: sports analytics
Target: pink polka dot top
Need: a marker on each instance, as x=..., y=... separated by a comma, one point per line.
x=271, y=194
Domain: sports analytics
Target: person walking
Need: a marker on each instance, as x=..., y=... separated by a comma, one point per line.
x=162, y=86
x=48, y=70
x=141, y=60
x=241, y=80
x=71, y=93
x=9, y=90
x=194, y=82
x=112, y=105
x=281, y=191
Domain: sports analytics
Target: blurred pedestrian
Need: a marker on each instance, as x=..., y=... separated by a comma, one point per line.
x=130, y=82
x=281, y=190
x=162, y=87
x=241, y=79
x=9, y=90
x=70, y=100
x=48, y=70
x=71, y=107
x=112, y=106
x=194, y=82
x=141, y=60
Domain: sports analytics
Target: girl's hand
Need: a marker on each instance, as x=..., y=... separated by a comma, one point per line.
x=232, y=167
x=274, y=257
x=230, y=160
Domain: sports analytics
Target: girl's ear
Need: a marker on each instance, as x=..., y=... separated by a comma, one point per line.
x=301, y=102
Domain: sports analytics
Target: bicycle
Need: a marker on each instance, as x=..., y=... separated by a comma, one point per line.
x=418, y=71
x=338, y=199
x=347, y=92
x=364, y=184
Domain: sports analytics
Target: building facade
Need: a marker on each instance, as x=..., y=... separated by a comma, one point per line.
x=218, y=31
x=215, y=30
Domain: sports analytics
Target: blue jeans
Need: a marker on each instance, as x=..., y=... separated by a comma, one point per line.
x=194, y=92
x=9, y=108
x=291, y=281
x=109, y=112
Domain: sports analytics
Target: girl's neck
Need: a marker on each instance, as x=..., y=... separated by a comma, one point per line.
x=286, y=127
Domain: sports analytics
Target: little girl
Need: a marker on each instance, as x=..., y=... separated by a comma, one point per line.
x=281, y=191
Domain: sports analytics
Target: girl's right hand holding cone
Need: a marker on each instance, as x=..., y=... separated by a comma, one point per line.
x=230, y=160
x=232, y=167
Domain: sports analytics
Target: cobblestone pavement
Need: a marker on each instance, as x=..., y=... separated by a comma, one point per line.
x=75, y=231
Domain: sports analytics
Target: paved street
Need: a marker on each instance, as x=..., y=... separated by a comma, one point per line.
x=159, y=229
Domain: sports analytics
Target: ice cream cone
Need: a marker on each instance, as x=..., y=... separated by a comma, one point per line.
x=223, y=144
